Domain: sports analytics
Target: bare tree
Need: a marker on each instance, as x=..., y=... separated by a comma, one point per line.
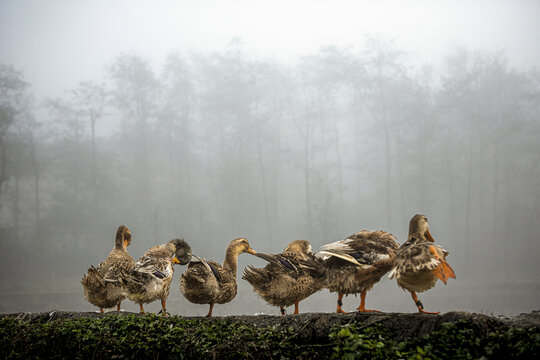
x=136, y=93
x=89, y=100
x=13, y=100
x=381, y=80
x=175, y=115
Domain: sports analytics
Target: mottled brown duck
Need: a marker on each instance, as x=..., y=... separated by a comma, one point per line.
x=151, y=276
x=289, y=277
x=357, y=263
x=101, y=285
x=207, y=282
x=419, y=262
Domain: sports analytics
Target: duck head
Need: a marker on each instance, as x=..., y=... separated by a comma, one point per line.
x=419, y=226
x=182, y=253
x=299, y=247
x=241, y=245
x=123, y=237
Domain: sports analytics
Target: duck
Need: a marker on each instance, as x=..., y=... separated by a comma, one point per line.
x=150, y=278
x=289, y=277
x=354, y=265
x=101, y=285
x=419, y=262
x=208, y=282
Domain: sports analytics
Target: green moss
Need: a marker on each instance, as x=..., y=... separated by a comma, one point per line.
x=458, y=340
x=145, y=337
x=132, y=337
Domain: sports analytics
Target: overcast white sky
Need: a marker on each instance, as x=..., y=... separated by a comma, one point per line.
x=59, y=43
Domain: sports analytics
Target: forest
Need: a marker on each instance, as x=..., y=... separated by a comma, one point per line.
x=218, y=145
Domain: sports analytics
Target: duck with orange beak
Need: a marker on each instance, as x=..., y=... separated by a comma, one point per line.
x=150, y=278
x=419, y=262
x=208, y=282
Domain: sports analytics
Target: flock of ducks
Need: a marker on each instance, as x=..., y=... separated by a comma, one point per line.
x=350, y=266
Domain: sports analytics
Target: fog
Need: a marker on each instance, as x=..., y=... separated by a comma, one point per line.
x=272, y=121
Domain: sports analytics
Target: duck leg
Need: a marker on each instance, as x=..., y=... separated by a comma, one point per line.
x=141, y=308
x=210, y=311
x=283, y=312
x=420, y=305
x=296, y=306
x=118, y=306
x=362, y=307
x=163, y=307
x=340, y=304
x=101, y=310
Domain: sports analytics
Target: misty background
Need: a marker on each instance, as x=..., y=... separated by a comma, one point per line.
x=291, y=120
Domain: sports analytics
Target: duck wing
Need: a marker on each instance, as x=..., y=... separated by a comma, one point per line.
x=157, y=267
x=281, y=261
x=292, y=264
x=419, y=257
x=212, y=267
x=361, y=249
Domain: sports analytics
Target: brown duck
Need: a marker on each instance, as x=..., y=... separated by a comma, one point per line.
x=207, y=282
x=357, y=263
x=419, y=263
x=151, y=276
x=289, y=277
x=101, y=286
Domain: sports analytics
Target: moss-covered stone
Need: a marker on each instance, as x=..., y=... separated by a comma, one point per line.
x=305, y=336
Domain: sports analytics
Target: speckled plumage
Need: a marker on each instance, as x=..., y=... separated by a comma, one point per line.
x=101, y=285
x=151, y=276
x=358, y=262
x=419, y=262
x=289, y=277
x=414, y=265
x=207, y=282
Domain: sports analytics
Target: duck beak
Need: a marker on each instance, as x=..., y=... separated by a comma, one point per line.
x=429, y=237
x=175, y=260
x=251, y=251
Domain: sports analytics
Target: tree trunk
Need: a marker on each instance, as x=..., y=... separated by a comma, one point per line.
x=401, y=181
x=481, y=193
x=451, y=189
x=16, y=198
x=277, y=177
x=2, y=168
x=263, y=178
x=37, y=205
x=337, y=143
x=468, y=201
x=94, y=164
x=388, y=176
x=307, y=184
x=172, y=174
x=238, y=190
x=495, y=236
x=145, y=209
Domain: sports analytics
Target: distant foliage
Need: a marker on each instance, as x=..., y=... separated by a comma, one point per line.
x=212, y=146
x=131, y=337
